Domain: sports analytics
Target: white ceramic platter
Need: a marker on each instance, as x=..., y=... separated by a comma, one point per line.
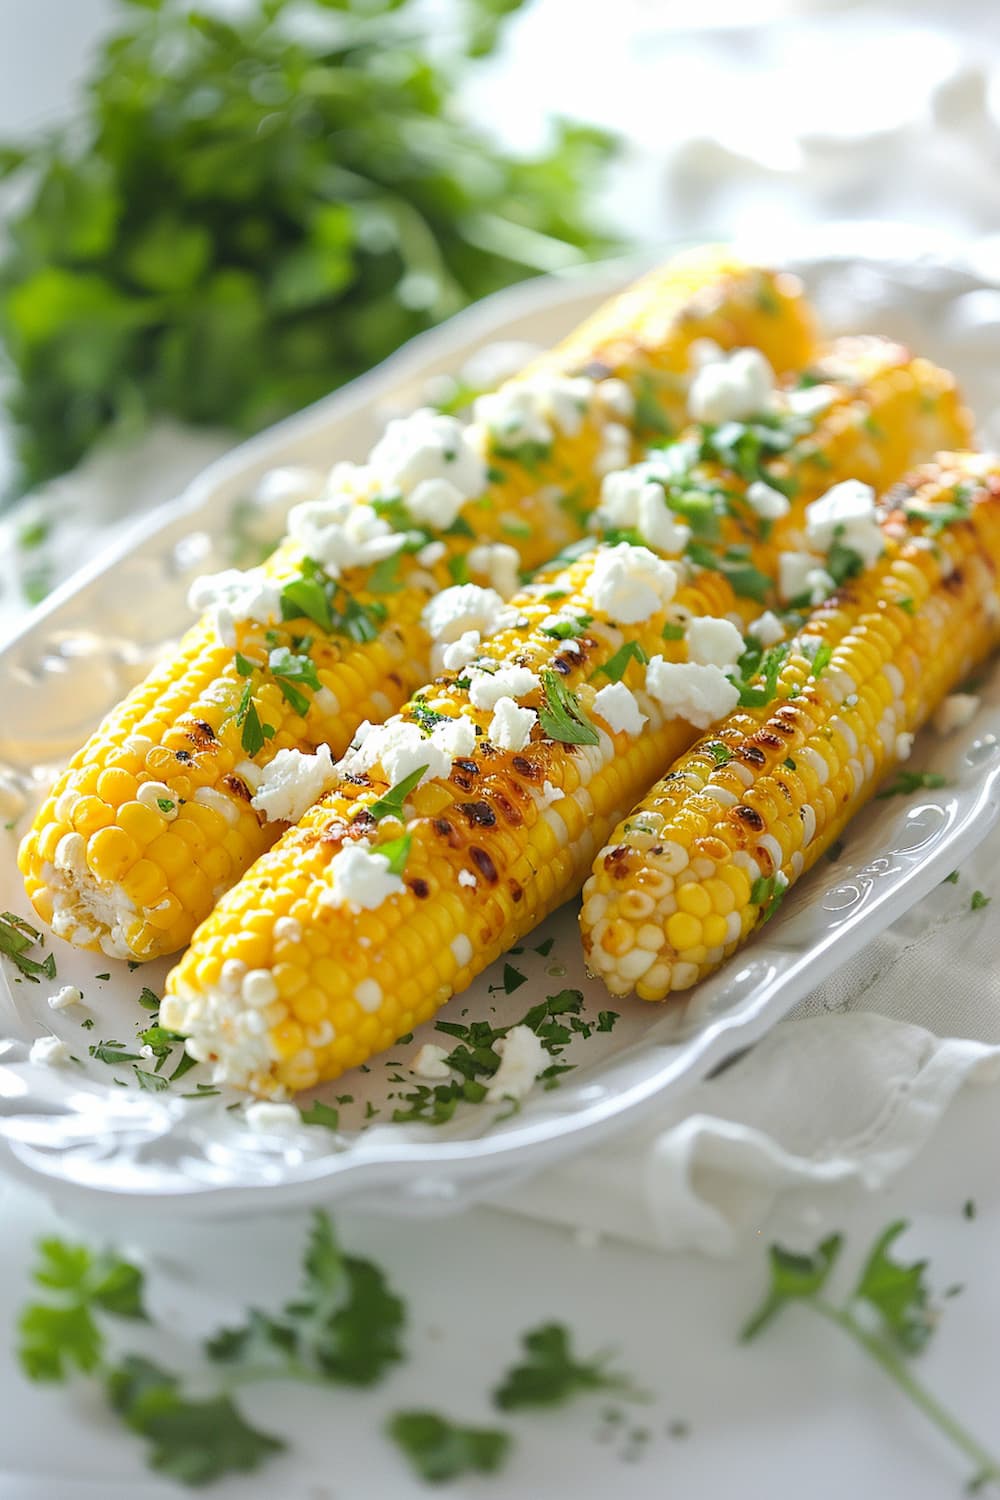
x=88, y=1132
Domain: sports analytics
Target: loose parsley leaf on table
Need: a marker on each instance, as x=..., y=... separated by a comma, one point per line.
x=907, y=782
x=439, y=1449
x=551, y=1373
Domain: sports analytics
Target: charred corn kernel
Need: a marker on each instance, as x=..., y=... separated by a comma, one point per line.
x=815, y=753
x=189, y=726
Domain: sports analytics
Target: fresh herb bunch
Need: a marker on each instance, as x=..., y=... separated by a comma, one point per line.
x=248, y=212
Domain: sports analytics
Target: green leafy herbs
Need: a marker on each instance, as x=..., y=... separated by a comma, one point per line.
x=768, y=892
x=391, y=805
x=56, y=1335
x=474, y=1059
x=757, y=674
x=318, y=1113
x=16, y=938
x=292, y=671
x=616, y=666
x=820, y=654
x=345, y=1325
x=439, y=1449
x=561, y=715
x=719, y=752
x=888, y=1314
x=978, y=901
x=651, y=422
x=735, y=565
x=314, y=595
x=229, y=237
x=747, y=447
x=907, y=782
x=568, y=628
x=397, y=852
x=254, y=735
x=551, y=1373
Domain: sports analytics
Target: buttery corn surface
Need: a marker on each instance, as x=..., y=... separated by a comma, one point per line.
x=152, y=820
x=707, y=855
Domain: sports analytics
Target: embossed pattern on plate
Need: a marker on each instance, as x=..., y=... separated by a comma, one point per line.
x=82, y=1135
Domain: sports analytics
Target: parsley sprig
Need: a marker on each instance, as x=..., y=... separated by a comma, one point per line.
x=888, y=1314
x=16, y=938
x=439, y=1449
x=551, y=1373
x=907, y=782
x=561, y=715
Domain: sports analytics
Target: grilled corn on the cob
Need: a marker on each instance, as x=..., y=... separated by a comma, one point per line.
x=708, y=854
x=152, y=820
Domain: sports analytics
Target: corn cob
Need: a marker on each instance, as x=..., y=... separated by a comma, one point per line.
x=708, y=854
x=152, y=820
x=281, y=989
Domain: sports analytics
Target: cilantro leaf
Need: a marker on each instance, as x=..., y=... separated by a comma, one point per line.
x=793, y=1277
x=318, y=1113
x=551, y=1373
x=54, y=1339
x=16, y=937
x=288, y=668
x=760, y=686
x=194, y=1442
x=898, y=1293
x=907, y=782
x=396, y=851
x=345, y=1325
x=439, y=1449
x=391, y=805
x=616, y=666
x=253, y=737
x=306, y=597
x=568, y=628
x=561, y=716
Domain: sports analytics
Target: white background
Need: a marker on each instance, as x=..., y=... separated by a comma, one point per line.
x=857, y=110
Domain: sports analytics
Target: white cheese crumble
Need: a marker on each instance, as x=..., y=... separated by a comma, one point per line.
x=528, y=411
x=616, y=397
x=433, y=462
x=430, y=1062
x=714, y=643
x=339, y=533
x=402, y=748
x=466, y=878
x=703, y=352
x=267, y=1118
x=799, y=574
x=846, y=514
x=511, y=726
x=487, y=688
x=50, y=1050
x=630, y=584
x=230, y=598
x=770, y=504
x=465, y=607
x=632, y=500
x=615, y=450
x=292, y=782
x=360, y=878
x=701, y=695
x=522, y=1058
x=767, y=629
x=68, y=995
x=459, y=653
x=433, y=553
x=811, y=401
x=616, y=704
x=499, y=564
x=955, y=712
x=731, y=389
x=266, y=515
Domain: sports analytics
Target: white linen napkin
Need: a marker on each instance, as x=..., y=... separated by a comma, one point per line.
x=850, y=1086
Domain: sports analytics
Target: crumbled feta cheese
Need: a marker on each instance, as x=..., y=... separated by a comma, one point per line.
x=465, y=607
x=292, y=782
x=701, y=695
x=433, y=462
x=615, y=449
x=466, y=878
x=731, y=389
x=630, y=584
x=811, y=401
x=430, y=1062
x=631, y=500
x=231, y=598
x=770, y=504
x=846, y=514
x=51, y=1051
x=267, y=1118
x=487, y=688
x=702, y=352
x=68, y=995
x=767, y=629
x=402, y=748
x=616, y=397
x=714, y=643
x=341, y=533
x=510, y=728
x=360, y=878
x=955, y=712
x=617, y=706
x=499, y=564
x=527, y=411
x=799, y=575
x=459, y=653
x=428, y=556
x=522, y=1058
